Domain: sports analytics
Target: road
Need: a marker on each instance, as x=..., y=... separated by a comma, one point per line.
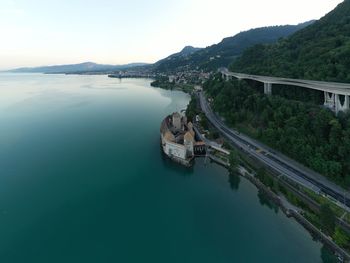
x=276, y=161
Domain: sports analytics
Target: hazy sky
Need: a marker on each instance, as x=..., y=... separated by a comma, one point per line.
x=42, y=32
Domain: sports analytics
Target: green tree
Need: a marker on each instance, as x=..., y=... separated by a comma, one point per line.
x=340, y=237
x=204, y=121
x=327, y=219
x=327, y=256
x=234, y=162
x=191, y=110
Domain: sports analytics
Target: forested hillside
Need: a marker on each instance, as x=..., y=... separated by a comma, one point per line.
x=320, y=51
x=223, y=53
x=307, y=133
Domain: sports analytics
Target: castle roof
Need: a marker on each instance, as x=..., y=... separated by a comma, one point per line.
x=190, y=125
x=169, y=136
x=189, y=137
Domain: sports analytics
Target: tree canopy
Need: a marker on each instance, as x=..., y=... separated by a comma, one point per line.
x=306, y=132
x=320, y=51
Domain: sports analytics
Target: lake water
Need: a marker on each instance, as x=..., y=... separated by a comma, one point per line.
x=82, y=179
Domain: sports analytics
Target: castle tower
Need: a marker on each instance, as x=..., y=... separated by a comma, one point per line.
x=189, y=143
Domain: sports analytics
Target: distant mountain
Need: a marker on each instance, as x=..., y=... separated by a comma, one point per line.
x=319, y=52
x=168, y=63
x=226, y=51
x=76, y=68
x=188, y=50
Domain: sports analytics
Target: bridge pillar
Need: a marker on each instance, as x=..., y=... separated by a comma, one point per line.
x=268, y=88
x=339, y=106
x=226, y=77
x=329, y=100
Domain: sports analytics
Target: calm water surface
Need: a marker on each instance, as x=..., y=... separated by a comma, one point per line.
x=82, y=179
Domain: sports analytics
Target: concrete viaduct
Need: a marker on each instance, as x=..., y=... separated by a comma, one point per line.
x=332, y=90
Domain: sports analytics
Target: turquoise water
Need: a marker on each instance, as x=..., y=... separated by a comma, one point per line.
x=82, y=179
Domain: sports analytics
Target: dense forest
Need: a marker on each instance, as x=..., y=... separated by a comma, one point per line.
x=306, y=132
x=223, y=53
x=320, y=51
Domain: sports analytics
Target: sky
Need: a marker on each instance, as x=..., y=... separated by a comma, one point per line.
x=48, y=32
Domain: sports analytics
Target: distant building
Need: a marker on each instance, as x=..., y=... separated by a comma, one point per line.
x=198, y=88
x=172, y=78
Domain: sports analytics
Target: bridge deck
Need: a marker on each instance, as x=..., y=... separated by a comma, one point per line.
x=332, y=87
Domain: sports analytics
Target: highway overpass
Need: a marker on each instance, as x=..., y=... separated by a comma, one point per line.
x=333, y=91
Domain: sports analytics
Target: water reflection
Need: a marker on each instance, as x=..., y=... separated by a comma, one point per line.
x=234, y=181
x=173, y=166
x=327, y=256
x=265, y=201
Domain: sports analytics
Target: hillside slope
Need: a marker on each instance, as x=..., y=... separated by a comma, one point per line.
x=172, y=61
x=228, y=49
x=320, y=51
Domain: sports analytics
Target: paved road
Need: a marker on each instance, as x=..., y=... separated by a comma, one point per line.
x=277, y=161
x=334, y=87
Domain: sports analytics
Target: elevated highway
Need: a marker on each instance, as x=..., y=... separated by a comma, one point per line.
x=332, y=90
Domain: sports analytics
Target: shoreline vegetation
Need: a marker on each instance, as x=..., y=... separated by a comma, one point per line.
x=163, y=83
x=322, y=218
